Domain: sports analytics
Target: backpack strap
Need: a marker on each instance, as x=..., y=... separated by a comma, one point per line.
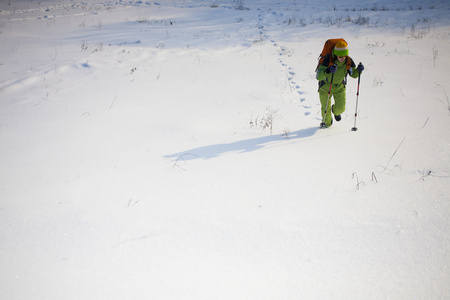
x=327, y=61
x=350, y=65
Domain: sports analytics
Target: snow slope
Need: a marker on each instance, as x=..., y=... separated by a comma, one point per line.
x=171, y=150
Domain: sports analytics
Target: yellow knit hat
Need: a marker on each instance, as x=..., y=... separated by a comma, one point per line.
x=341, y=49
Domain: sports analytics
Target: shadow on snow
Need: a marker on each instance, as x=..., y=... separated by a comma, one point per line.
x=244, y=146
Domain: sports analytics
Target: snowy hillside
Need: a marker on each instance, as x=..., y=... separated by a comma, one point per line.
x=171, y=150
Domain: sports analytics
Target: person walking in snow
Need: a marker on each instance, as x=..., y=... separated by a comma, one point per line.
x=333, y=73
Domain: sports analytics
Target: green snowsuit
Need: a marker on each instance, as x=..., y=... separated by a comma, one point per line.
x=337, y=88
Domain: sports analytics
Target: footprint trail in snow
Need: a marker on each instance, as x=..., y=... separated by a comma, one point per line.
x=283, y=52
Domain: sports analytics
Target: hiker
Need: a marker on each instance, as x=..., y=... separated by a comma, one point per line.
x=335, y=67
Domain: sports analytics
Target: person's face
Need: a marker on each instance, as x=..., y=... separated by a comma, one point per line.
x=341, y=58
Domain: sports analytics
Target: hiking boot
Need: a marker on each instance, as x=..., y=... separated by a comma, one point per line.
x=336, y=117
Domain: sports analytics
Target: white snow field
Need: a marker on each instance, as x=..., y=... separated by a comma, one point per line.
x=171, y=149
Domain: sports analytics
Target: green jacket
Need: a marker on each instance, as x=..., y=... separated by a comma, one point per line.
x=340, y=74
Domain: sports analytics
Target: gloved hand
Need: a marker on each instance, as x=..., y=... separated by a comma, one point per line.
x=331, y=69
x=360, y=67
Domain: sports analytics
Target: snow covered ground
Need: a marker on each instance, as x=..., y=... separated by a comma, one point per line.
x=170, y=150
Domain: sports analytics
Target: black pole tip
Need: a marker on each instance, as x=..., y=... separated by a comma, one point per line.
x=354, y=129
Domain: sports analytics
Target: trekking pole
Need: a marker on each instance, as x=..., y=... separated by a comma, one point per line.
x=328, y=99
x=357, y=96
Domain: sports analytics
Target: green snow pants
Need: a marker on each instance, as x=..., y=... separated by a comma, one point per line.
x=338, y=93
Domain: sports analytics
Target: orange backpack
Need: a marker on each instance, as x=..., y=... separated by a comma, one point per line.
x=328, y=52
